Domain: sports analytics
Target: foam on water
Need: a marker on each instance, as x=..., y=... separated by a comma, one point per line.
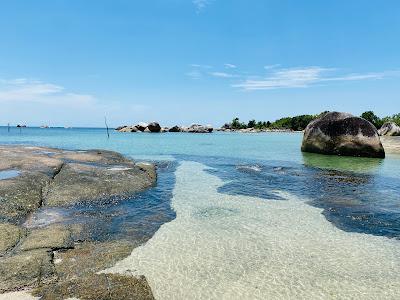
x=238, y=247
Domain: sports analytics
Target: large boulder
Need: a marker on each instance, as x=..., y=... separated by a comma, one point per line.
x=154, y=127
x=176, y=128
x=196, y=128
x=128, y=129
x=342, y=134
x=141, y=126
x=389, y=129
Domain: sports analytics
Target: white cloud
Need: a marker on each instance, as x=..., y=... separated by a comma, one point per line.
x=230, y=66
x=269, y=67
x=302, y=78
x=35, y=102
x=222, y=75
x=201, y=4
x=201, y=66
x=36, y=91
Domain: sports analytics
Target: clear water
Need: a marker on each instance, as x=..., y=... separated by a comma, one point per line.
x=7, y=174
x=248, y=215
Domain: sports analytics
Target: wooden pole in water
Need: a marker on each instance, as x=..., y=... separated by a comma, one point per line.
x=8, y=127
x=105, y=122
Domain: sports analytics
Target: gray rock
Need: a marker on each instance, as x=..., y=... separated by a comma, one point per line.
x=9, y=236
x=141, y=126
x=389, y=129
x=52, y=237
x=119, y=128
x=154, y=127
x=342, y=134
x=129, y=129
x=27, y=269
x=175, y=128
x=196, y=128
x=78, y=182
x=99, y=286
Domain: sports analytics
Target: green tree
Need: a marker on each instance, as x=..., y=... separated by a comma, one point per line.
x=236, y=124
x=371, y=117
x=251, y=124
x=301, y=122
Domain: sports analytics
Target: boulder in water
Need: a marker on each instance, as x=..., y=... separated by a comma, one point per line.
x=141, y=126
x=154, y=127
x=342, y=134
x=389, y=129
x=176, y=128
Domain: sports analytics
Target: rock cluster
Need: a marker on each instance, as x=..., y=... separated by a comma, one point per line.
x=342, y=134
x=36, y=257
x=389, y=129
x=155, y=127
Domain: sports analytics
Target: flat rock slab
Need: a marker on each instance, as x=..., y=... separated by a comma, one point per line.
x=57, y=177
x=45, y=258
x=78, y=182
x=9, y=236
x=53, y=237
x=26, y=269
x=99, y=287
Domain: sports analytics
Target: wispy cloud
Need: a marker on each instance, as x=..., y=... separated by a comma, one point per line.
x=36, y=101
x=304, y=77
x=194, y=74
x=269, y=67
x=199, y=66
x=201, y=4
x=36, y=91
x=223, y=74
x=230, y=66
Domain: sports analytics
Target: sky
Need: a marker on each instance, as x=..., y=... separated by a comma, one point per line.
x=72, y=62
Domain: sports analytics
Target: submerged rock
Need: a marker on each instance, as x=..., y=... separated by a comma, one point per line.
x=342, y=134
x=389, y=129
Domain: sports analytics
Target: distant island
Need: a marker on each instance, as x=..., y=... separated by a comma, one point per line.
x=299, y=123
x=390, y=125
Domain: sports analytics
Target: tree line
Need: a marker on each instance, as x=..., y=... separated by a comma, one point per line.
x=300, y=122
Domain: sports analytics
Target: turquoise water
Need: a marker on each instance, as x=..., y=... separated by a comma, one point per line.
x=245, y=216
x=357, y=194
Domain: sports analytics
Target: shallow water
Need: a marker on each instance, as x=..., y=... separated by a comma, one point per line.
x=240, y=247
x=7, y=174
x=249, y=217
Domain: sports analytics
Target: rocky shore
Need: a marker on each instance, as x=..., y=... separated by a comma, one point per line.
x=155, y=127
x=59, y=260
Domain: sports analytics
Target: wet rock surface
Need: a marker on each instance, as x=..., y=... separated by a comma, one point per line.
x=81, y=182
x=60, y=260
x=342, y=134
x=26, y=269
x=9, y=236
x=53, y=237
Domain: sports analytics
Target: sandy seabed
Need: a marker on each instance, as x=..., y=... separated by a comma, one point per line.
x=238, y=247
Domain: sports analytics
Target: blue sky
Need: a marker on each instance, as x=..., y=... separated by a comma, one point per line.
x=207, y=61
